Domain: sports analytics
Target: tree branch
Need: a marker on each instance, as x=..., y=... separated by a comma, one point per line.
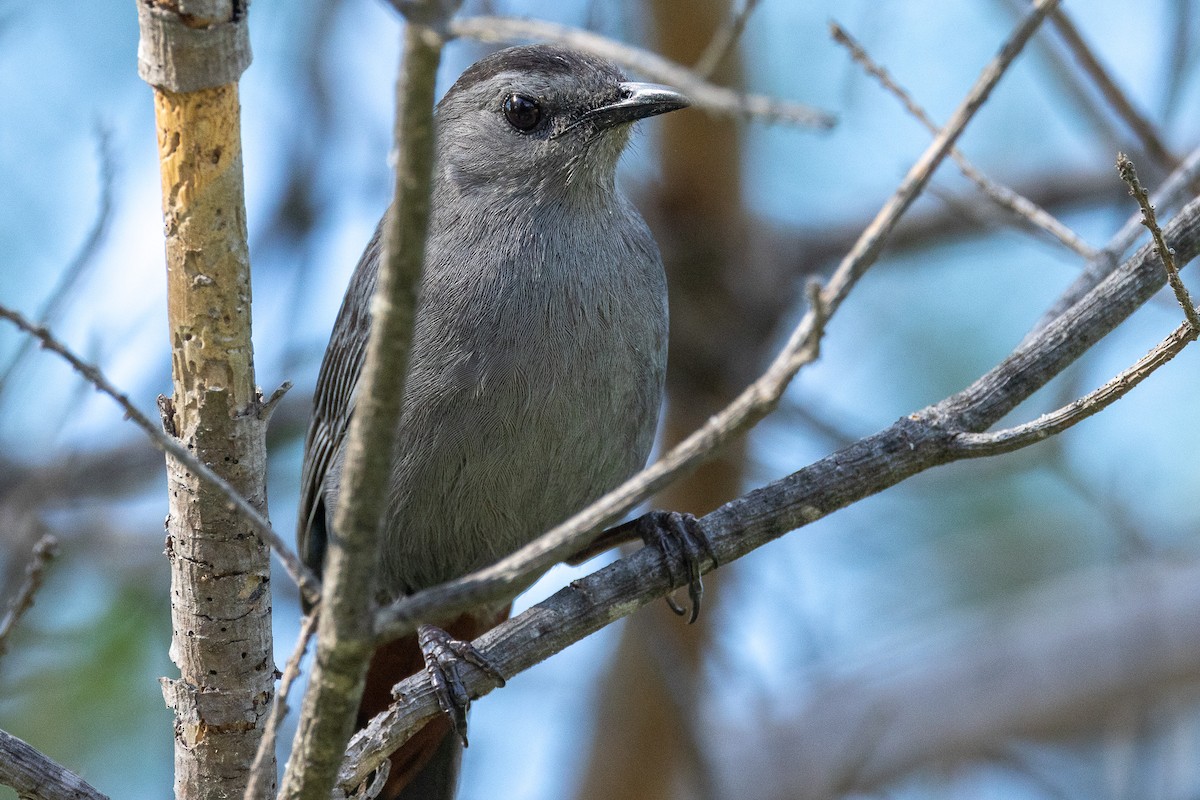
x=1166, y=255
x=500, y=580
x=1005, y=441
x=84, y=257
x=1074, y=90
x=919, y=441
x=37, y=777
x=1112, y=93
x=346, y=633
x=700, y=92
x=724, y=40
x=43, y=553
x=1003, y=196
x=1175, y=189
x=262, y=771
x=168, y=445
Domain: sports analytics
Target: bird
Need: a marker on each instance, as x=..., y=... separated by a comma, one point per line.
x=538, y=357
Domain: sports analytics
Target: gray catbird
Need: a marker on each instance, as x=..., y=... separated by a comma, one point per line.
x=538, y=354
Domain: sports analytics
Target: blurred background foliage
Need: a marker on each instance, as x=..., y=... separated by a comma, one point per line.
x=745, y=213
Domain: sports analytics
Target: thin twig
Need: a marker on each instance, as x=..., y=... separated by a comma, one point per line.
x=1179, y=28
x=1057, y=421
x=1113, y=93
x=1174, y=190
x=301, y=574
x=1003, y=196
x=867, y=249
x=43, y=552
x=724, y=40
x=1074, y=90
x=700, y=92
x=1129, y=175
x=85, y=256
x=262, y=771
x=760, y=398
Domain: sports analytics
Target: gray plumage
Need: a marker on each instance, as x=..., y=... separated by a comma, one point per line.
x=540, y=342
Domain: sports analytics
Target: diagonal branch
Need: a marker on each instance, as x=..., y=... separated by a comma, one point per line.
x=168, y=445
x=1175, y=189
x=931, y=437
x=502, y=579
x=724, y=40
x=1005, y=441
x=1003, y=196
x=1112, y=92
x=84, y=259
x=700, y=92
x=36, y=777
x=262, y=771
x=1077, y=100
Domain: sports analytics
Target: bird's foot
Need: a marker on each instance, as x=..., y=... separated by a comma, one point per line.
x=681, y=540
x=444, y=656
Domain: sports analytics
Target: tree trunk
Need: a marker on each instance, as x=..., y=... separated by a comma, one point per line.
x=220, y=576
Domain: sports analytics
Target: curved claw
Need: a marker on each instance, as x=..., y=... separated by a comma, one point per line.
x=444, y=656
x=681, y=540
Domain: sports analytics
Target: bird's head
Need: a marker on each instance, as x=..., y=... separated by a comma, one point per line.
x=541, y=116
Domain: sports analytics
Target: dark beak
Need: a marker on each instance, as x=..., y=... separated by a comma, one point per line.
x=637, y=101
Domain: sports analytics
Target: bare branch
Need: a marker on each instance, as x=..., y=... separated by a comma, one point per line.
x=760, y=398
x=1129, y=175
x=301, y=574
x=1113, y=93
x=930, y=437
x=1074, y=90
x=262, y=771
x=346, y=634
x=1003, y=196
x=84, y=258
x=724, y=40
x=36, y=777
x=701, y=93
x=43, y=552
x=1179, y=32
x=1175, y=189
x=1047, y=425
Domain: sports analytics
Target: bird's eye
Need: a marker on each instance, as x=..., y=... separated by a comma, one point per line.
x=523, y=113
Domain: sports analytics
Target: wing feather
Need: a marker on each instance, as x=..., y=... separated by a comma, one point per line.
x=333, y=404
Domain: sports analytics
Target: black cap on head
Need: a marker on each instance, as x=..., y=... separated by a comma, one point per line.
x=612, y=100
x=545, y=59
